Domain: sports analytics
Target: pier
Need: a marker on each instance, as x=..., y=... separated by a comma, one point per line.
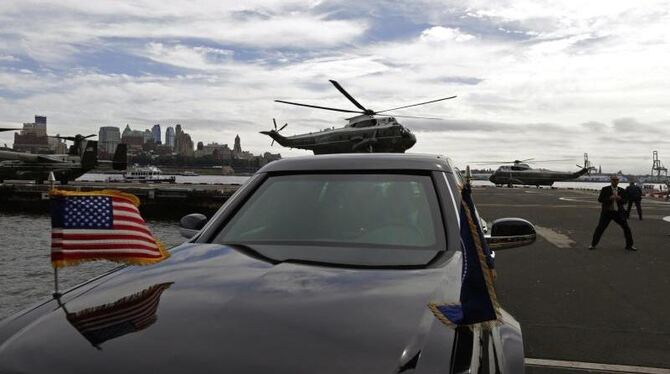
x=158, y=201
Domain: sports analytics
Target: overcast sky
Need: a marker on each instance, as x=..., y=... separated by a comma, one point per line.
x=542, y=79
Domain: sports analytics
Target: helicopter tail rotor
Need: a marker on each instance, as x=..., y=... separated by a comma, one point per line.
x=274, y=133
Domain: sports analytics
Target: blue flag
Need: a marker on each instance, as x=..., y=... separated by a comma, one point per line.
x=478, y=302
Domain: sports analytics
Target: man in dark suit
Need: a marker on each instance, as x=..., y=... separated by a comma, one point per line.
x=634, y=196
x=612, y=199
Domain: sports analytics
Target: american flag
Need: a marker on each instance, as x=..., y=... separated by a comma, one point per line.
x=100, y=225
x=124, y=316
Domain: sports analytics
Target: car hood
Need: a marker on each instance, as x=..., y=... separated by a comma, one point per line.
x=212, y=308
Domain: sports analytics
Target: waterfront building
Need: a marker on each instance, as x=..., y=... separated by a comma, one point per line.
x=237, y=148
x=148, y=136
x=156, y=133
x=169, y=136
x=33, y=137
x=183, y=145
x=108, y=138
x=133, y=138
x=58, y=146
x=217, y=151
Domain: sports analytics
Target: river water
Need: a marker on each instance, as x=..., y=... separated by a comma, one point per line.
x=26, y=275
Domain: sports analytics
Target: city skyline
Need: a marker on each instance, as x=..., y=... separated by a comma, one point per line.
x=546, y=79
x=34, y=138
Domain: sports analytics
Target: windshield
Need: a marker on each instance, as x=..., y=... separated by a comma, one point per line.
x=349, y=210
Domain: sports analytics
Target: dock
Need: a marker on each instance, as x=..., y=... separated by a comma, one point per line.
x=581, y=308
x=157, y=201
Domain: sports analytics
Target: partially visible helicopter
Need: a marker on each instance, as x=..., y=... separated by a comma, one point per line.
x=519, y=172
x=82, y=156
x=366, y=132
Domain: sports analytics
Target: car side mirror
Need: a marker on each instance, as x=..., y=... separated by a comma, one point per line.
x=510, y=233
x=190, y=224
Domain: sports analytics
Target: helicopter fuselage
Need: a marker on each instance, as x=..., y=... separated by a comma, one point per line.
x=365, y=134
x=523, y=174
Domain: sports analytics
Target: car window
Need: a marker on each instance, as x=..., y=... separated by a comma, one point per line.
x=359, y=210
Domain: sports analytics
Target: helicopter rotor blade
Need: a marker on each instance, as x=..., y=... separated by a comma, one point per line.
x=273, y=143
x=433, y=118
x=320, y=107
x=500, y=162
x=275, y=122
x=283, y=127
x=557, y=160
x=351, y=98
x=408, y=106
x=8, y=129
x=72, y=138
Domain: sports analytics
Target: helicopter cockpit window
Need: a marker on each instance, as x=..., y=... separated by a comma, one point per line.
x=365, y=123
x=379, y=211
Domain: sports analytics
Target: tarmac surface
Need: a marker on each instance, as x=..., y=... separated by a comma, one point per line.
x=605, y=306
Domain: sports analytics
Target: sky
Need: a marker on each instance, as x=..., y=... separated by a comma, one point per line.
x=541, y=79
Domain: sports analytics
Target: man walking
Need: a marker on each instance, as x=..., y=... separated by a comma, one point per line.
x=634, y=195
x=612, y=199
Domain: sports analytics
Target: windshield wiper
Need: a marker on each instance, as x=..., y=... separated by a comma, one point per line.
x=253, y=253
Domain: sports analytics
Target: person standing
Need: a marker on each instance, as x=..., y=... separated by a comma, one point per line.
x=612, y=198
x=634, y=195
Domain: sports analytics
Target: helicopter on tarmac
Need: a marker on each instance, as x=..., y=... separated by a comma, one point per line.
x=519, y=172
x=82, y=156
x=366, y=132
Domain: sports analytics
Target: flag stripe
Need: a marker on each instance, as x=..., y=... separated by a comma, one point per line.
x=128, y=241
x=99, y=234
x=129, y=213
x=125, y=209
x=87, y=253
x=126, y=216
x=116, y=204
x=95, y=245
x=131, y=226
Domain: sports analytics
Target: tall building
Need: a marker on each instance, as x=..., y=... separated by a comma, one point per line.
x=183, y=145
x=108, y=138
x=133, y=138
x=156, y=133
x=218, y=151
x=148, y=137
x=169, y=136
x=237, y=147
x=33, y=137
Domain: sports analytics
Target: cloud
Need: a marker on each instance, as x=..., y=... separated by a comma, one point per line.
x=439, y=34
x=533, y=78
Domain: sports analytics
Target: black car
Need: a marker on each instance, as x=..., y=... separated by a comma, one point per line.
x=321, y=264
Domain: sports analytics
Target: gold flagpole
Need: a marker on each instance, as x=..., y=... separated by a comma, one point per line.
x=56, y=294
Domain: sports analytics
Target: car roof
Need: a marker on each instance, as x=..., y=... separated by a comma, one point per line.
x=361, y=161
